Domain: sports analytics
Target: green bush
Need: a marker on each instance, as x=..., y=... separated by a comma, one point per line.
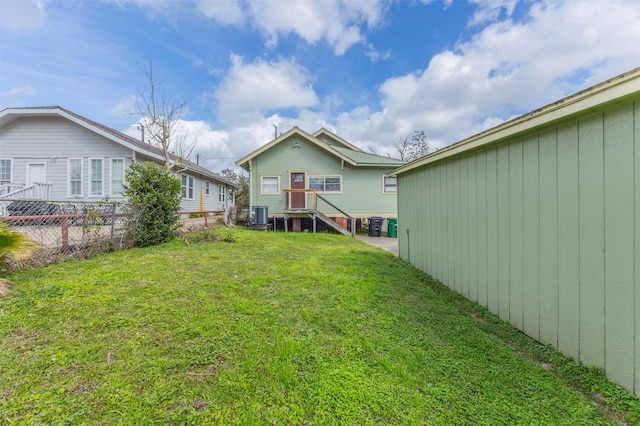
x=158, y=192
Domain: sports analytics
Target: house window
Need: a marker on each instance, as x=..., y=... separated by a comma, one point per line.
x=270, y=185
x=222, y=194
x=187, y=187
x=95, y=171
x=207, y=187
x=325, y=183
x=74, y=173
x=117, y=176
x=5, y=171
x=390, y=184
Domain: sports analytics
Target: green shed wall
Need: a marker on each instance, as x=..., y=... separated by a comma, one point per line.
x=362, y=187
x=543, y=229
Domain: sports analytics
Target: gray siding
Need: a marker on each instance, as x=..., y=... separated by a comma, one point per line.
x=543, y=229
x=54, y=140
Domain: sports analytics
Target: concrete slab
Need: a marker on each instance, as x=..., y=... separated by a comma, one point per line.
x=385, y=243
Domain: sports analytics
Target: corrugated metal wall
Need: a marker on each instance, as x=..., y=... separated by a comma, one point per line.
x=543, y=230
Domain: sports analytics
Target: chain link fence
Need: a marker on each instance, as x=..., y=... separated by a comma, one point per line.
x=72, y=229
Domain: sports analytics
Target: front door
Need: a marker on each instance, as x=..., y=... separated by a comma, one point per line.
x=298, y=198
x=36, y=173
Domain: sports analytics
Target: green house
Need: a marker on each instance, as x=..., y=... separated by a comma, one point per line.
x=318, y=176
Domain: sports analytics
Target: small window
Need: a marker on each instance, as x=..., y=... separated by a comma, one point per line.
x=207, y=187
x=390, y=184
x=222, y=194
x=270, y=185
x=187, y=187
x=95, y=170
x=325, y=183
x=5, y=171
x=74, y=172
x=117, y=176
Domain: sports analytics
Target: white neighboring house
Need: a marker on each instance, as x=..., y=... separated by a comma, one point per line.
x=50, y=153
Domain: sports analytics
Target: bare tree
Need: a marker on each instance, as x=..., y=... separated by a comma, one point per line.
x=411, y=149
x=401, y=146
x=161, y=119
x=371, y=149
x=419, y=146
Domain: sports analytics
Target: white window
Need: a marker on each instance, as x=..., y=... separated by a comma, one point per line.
x=117, y=176
x=270, y=185
x=187, y=187
x=325, y=183
x=207, y=187
x=222, y=194
x=5, y=170
x=95, y=173
x=390, y=184
x=74, y=173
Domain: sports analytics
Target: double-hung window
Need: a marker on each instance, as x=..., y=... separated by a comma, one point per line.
x=187, y=187
x=95, y=172
x=207, y=187
x=270, y=185
x=325, y=183
x=117, y=176
x=74, y=173
x=5, y=170
x=222, y=194
x=390, y=184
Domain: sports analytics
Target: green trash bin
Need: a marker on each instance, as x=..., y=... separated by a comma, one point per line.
x=392, y=227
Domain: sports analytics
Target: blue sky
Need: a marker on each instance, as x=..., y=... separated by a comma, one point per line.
x=373, y=71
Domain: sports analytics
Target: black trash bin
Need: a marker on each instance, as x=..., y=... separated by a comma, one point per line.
x=375, y=226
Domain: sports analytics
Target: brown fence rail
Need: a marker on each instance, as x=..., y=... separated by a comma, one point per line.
x=72, y=229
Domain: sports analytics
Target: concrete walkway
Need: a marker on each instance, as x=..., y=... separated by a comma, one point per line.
x=385, y=243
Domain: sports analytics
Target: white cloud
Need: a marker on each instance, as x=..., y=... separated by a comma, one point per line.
x=250, y=89
x=25, y=90
x=334, y=21
x=339, y=23
x=223, y=11
x=507, y=68
x=490, y=10
x=18, y=16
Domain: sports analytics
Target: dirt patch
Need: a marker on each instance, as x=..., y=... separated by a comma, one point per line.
x=5, y=285
x=547, y=366
x=478, y=317
x=85, y=388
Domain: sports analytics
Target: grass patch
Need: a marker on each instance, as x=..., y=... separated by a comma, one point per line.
x=275, y=329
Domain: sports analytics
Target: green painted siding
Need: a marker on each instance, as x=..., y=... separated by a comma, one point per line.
x=543, y=229
x=362, y=192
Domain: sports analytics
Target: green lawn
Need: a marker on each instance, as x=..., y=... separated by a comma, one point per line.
x=275, y=328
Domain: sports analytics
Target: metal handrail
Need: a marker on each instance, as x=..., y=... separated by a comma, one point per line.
x=287, y=204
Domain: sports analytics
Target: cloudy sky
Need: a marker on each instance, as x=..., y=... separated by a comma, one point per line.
x=373, y=71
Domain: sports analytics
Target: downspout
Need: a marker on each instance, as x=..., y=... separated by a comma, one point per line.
x=251, y=186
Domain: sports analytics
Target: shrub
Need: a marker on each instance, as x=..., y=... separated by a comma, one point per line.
x=158, y=191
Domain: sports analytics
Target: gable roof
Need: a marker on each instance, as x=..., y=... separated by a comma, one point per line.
x=613, y=90
x=355, y=157
x=324, y=132
x=9, y=115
